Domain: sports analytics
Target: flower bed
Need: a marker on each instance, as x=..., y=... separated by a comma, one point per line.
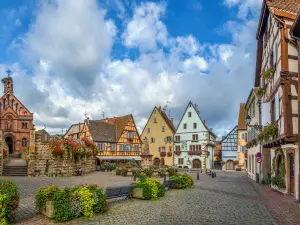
x=182, y=181
x=148, y=189
x=71, y=202
x=9, y=200
x=194, y=152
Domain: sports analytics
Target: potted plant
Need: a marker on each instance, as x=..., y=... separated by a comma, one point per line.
x=268, y=73
x=106, y=166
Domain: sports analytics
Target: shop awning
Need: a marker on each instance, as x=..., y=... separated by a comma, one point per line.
x=137, y=158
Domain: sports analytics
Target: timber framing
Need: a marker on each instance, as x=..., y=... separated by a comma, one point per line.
x=281, y=140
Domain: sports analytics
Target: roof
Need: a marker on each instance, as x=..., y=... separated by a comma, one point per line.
x=120, y=123
x=75, y=128
x=289, y=6
x=43, y=131
x=228, y=134
x=242, y=115
x=101, y=131
x=295, y=30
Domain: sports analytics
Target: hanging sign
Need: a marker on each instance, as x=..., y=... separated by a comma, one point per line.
x=258, y=159
x=258, y=155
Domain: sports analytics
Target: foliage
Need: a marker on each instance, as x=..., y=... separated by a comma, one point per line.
x=261, y=91
x=182, y=181
x=72, y=202
x=152, y=188
x=271, y=131
x=261, y=137
x=172, y=171
x=9, y=200
x=130, y=164
x=109, y=166
x=251, y=143
x=148, y=172
x=136, y=171
x=268, y=73
x=278, y=181
x=162, y=172
x=123, y=172
x=279, y=178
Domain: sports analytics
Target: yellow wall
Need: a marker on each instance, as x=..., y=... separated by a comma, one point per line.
x=241, y=142
x=156, y=132
x=85, y=131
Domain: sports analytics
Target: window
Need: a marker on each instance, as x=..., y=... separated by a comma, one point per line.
x=243, y=136
x=4, y=100
x=24, y=125
x=163, y=129
x=128, y=148
x=190, y=114
x=112, y=147
x=155, y=120
x=273, y=111
x=195, y=137
x=121, y=148
x=168, y=139
x=163, y=149
x=177, y=138
x=131, y=135
x=177, y=147
x=195, y=125
x=170, y=148
x=101, y=146
x=136, y=148
x=243, y=148
x=148, y=130
x=24, y=142
x=180, y=161
x=184, y=126
x=152, y=140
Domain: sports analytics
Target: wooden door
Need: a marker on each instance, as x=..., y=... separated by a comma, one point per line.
x=156, y=162
x=196, y=163
x=229, y=165
x=292, y=173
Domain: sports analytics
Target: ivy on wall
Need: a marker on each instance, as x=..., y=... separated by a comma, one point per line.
x=279, y=178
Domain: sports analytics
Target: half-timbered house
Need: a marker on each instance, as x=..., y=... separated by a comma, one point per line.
x=117, y=138
x=276, y=77
x=229, y=150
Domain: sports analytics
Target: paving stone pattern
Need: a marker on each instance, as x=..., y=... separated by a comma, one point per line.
x=226, y=199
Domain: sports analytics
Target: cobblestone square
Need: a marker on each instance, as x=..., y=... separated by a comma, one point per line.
x=230, y=198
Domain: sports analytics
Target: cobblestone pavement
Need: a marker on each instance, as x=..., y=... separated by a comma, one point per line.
x=226, y=199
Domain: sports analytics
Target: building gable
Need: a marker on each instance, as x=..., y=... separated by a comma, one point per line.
x=130, y=128
x=86, y=131
x=15, y=103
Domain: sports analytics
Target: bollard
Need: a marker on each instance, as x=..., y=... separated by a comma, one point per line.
x=215, y=174
x=201, y=171
x=198, y=176
x=134, y=178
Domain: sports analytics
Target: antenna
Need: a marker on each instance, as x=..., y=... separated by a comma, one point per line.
x=103, y=114
x=44, y=127
x=166, y=106
x=85, y=114
x=9, y=72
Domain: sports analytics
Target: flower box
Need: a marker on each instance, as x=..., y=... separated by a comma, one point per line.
x=178, y=153
x=194, y=153
x=49, y=209
x=138, y=193
x=163, y=154
x=169, y=154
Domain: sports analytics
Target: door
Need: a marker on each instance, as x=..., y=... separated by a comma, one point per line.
x=156, y=162
x=196, y=163
x=229, y=165
x=292, y=173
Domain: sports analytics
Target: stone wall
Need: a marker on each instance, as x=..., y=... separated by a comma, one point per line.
x=1, y=153
x=41, y=162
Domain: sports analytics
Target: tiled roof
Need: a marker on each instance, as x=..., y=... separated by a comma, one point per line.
x=289, y=6
x=101, y=131
x=120, y=123
x=241, y=121
x=168, y=121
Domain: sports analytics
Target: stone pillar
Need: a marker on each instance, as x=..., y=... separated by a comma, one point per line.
x=1, y=153
x=32, y=140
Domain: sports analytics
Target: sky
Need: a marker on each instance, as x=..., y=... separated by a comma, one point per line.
x=124, y=57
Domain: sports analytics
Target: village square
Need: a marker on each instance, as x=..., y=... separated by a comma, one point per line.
x=172, y=169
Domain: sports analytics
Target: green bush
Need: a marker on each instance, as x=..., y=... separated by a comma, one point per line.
x=162, y=172
x=172, y=171
x=136, y=171
x=182, y=181
x=123, y=172
x=148, y=172
x=109, y=166
x=152, y=188
x=9, y=200
x=72, y=202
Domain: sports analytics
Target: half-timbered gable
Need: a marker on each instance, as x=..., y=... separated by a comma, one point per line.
x=229, y=149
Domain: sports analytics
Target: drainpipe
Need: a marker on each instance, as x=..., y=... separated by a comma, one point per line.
x=260, y=146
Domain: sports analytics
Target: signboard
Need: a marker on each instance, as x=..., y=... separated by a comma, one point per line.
x=258, y=159
x=258, y=155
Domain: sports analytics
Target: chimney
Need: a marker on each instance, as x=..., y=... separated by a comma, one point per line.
x=223, y=137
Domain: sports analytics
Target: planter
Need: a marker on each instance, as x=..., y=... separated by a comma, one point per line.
x=49, y=209
x=114, y=172
x=138, y=193
x=169, y=154
x=162, y=154
x=178, y=153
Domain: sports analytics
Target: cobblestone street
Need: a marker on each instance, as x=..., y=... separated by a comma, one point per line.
x=230, y=198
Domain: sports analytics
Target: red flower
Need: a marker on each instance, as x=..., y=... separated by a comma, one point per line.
x=12, y=212
x=105, y=209
x=106, y=203
x=5, y=205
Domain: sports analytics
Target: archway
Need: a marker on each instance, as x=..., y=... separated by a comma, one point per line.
x=162, y=162
x=10, y=144
x=156, y=161
x=229, y=165
x=196, y=163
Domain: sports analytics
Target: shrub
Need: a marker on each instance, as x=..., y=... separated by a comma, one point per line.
x=106, y=165
x=72, y=202
x=148, y=172
x=152, y=188
x=9, y=200
x=123, y=172
x=162, y=172
x=182, y=181
x=136, y=171
x=118, y=171
x=172, y=171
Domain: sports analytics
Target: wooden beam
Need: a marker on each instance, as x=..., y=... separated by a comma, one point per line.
x=284, y=14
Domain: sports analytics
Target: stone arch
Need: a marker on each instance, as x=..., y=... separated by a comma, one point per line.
x=156, y=161
x=229, y=165
x=9, y=140
x=196, y=163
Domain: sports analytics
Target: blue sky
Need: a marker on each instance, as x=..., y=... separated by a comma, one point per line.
x=122, y=56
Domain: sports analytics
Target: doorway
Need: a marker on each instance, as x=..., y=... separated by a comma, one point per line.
x=156, y=161
x=229, y=165
x=196, y=163
x=162, y=162
x=292, y=173
x=10, y=144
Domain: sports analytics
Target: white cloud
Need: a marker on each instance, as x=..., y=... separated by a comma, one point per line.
x=146, y=30
x=245, y=6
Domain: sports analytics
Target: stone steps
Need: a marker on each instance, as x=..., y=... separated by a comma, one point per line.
x=15, y=171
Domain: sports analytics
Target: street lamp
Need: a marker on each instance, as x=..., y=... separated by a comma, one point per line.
x=255, y=126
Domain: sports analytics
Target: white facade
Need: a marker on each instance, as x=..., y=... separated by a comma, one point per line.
x=194, y=143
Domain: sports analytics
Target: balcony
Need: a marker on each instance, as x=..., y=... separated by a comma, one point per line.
x=194, y=152
x=163, y=154
x=176, y=141
x=178, y=152
x=169, y=154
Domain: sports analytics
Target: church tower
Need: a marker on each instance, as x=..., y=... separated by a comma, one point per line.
x=8, y=85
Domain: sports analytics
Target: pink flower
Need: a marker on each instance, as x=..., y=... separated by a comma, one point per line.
x=12, y=212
